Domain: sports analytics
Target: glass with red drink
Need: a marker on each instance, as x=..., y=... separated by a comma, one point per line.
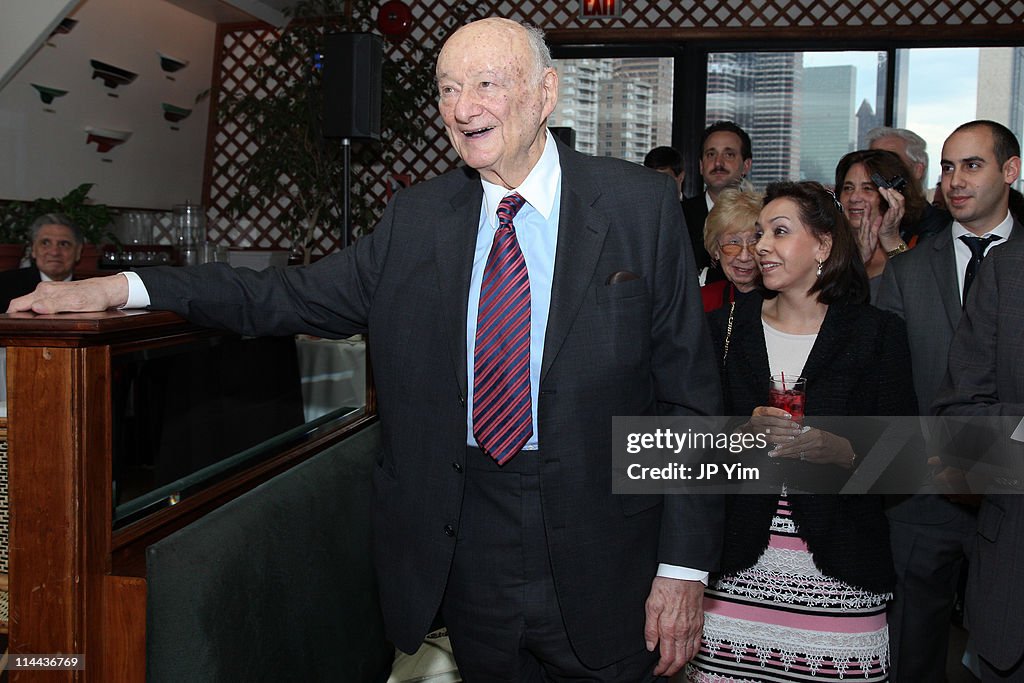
x=788, y=393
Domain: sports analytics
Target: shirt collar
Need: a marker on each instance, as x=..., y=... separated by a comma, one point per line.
x=538, y=189
x=43, y=277
x=1003, y=229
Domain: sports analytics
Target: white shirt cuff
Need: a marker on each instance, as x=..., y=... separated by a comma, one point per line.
x=671, y=571
x=138, y=296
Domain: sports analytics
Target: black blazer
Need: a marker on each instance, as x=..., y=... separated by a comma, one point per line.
x=639, y=347
x=695, y=210
x=15, y=283
x=859, y=365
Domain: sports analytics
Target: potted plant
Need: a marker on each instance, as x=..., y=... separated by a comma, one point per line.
x=13, y=237
x=290, y=157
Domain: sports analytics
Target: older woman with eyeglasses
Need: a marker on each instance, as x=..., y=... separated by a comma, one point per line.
x=729, y=239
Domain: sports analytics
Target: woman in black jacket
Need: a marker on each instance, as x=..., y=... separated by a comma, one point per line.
x=805, y=578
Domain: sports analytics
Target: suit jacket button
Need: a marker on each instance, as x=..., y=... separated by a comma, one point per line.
x=449, y=530
x=457, y=467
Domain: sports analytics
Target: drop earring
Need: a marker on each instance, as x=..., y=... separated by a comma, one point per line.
x=820, y=264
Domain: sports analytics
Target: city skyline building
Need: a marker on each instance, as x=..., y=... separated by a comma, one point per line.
x=761, y=92
x=1001, y=89
x=626, y=118
x=829, y=121
x=613, y=105
x=579, y=102
x=801, y=119
x=658, y=73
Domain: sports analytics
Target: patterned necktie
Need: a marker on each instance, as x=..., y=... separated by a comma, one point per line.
x=977, y=245
x=502, y=418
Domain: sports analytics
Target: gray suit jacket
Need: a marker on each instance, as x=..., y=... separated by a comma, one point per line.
x=986, y=377
x=638, y=347
x=922, y=287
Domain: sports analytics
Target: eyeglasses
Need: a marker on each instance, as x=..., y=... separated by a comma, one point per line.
x=734, y=248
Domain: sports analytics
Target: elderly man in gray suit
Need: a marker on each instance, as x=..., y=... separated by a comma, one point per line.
x=986, y=378
x=513, y=307
x=926, y=286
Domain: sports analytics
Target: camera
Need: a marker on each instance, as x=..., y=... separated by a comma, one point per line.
x=897, y=182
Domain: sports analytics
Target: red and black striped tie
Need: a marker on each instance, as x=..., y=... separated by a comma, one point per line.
x=502, y=418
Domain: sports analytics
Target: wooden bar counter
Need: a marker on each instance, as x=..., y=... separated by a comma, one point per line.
x=77, y=580
x=64, y=598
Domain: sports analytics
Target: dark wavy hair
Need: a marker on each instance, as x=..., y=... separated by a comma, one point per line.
x=886, y=164
x=843, y=277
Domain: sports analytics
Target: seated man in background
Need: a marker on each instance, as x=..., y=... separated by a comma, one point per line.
x=56, y=248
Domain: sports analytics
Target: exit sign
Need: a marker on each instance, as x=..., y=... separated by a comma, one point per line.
x=600, y=8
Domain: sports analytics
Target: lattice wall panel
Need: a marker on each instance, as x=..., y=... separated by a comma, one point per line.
x=435, y=20
x=239, y=52
x=779, y=14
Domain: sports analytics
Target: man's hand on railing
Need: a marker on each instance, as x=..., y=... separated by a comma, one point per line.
x=94, y=294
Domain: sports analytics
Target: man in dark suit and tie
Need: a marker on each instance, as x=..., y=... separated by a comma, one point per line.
x=986, y=379
x=56, y=247
x=575, y=271
x=926, y=286
x=725, y=160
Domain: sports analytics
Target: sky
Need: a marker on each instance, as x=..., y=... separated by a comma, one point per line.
x=942, y=90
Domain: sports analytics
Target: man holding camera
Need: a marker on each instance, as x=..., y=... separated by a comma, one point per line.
x=927, y=287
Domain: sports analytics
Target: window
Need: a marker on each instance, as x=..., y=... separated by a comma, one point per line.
x=977, y=83
x=805, y=110
x=629, y=99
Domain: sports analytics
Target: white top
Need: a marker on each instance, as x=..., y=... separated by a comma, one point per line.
x=787, y=352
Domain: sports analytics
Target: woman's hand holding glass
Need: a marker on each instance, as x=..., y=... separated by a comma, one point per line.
x=817, y=446
x=777, y=425
x=790, y=441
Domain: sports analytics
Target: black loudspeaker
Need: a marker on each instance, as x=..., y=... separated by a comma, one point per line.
x=352, y=85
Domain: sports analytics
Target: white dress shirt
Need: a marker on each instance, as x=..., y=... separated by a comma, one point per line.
x=963, y=252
